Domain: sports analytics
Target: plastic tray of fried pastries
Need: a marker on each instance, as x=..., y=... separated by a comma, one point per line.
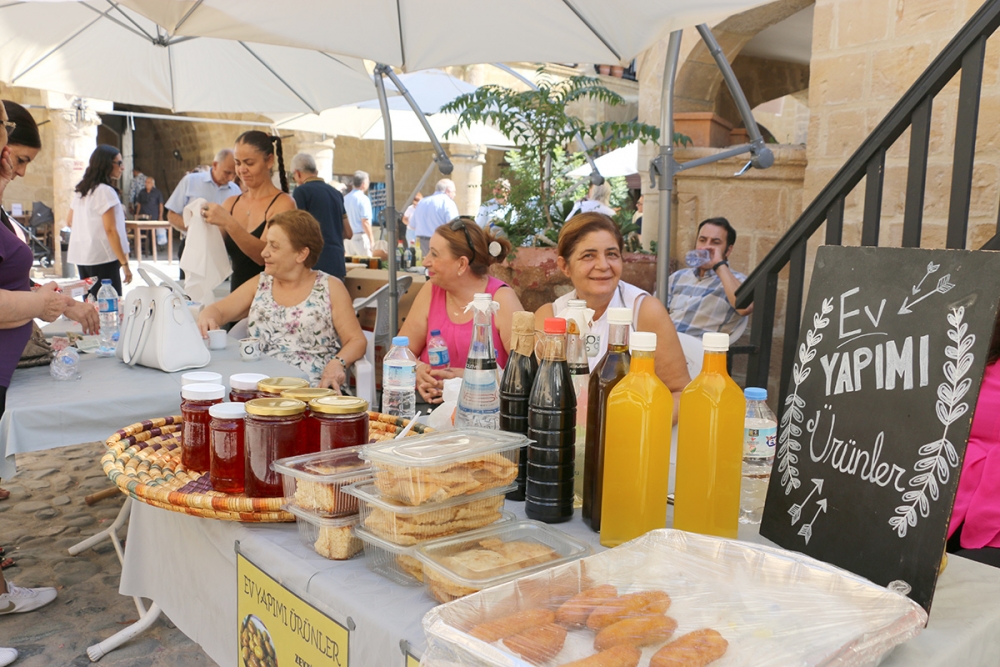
x=316, y=482
x=406, y=525
x=676, y=599
x=444, y=464
x=330, y=538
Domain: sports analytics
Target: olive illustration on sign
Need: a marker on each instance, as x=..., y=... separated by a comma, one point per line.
x=256, y=646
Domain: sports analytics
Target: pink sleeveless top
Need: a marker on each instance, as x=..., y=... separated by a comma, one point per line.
x=459, y=336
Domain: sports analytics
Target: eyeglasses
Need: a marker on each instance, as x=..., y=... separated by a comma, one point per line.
x=458, y=224
x=9, y=125
x=118, y=163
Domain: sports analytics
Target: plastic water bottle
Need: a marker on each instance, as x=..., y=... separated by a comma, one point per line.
x=696, y=258
x=399, y=379
x=479, y=398
x=65, y=364
x=759, y=440
x=107, y=306
x=437, y=351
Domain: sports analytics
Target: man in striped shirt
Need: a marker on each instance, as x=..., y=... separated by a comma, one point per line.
x=703, y=299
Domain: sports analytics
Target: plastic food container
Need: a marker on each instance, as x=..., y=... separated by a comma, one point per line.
x=444, y=464
x=330, y=538
x=406, y=525
x=772, y=607
x=316, y=482
x=467, y=563
x=392, y=561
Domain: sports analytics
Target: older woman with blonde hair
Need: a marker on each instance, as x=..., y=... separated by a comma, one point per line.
x=301, y=316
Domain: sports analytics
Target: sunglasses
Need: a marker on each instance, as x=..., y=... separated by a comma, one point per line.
x=117, y=163
x=460, y=224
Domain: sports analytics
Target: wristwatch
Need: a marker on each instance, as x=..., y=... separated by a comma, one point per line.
x=718, y=264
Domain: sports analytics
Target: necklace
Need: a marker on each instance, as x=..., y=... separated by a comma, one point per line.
x=459, y=309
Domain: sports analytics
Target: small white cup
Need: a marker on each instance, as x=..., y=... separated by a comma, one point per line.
x=217, y=339
x=249, y=349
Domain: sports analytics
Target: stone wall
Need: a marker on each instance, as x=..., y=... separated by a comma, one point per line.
x=37, y=183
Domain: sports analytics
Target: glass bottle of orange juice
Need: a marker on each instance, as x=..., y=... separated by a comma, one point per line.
x=637, y=449
x=710, y=447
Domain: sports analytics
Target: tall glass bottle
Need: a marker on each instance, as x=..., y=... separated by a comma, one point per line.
x=637, y=456
x=552, y=429
x=515, y=389
x=710, y=447
x=479, y=398
x=577, y=314
x=609, y=371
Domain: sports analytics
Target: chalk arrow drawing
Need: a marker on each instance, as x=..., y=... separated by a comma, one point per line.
x=944, y=285
x=796, y=510
x=931, y=268
x=806, y=530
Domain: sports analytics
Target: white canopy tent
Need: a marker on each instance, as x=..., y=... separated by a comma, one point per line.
x=622, y=161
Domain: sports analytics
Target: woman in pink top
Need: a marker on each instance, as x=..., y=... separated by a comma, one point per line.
x=975, y=521
x=457, y=262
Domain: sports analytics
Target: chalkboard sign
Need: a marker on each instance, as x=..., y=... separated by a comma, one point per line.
x=891, y=354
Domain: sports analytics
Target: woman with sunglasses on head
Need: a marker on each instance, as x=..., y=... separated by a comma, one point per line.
x=98, y=245
x=457, y=262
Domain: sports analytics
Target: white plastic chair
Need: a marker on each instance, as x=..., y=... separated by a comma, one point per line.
x=239, y=330
x=693, y=353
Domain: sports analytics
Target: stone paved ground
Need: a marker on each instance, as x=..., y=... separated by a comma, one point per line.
x=44, y=516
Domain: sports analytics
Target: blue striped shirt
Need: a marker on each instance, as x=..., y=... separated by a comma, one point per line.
x=699, y=305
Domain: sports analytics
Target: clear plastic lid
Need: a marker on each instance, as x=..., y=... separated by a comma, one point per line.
x=376, y=541
x=498, y=553
x=367, y=492
x=329, y=467
x=246, y=381
x=443, y=447
x=203, y=392
x=321, y=521
x=201, y=377
x=228, y=411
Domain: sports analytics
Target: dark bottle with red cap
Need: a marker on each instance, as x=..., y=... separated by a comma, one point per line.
x=552, y=430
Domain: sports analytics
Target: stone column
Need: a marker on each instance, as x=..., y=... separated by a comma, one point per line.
x=75, y=138
x=322, y=151
x=468, y=176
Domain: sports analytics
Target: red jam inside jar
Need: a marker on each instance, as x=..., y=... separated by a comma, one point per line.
x=243, y=386
x=309, y=440
x=272, y=432
x=272, y=387
x=195, y=403
x=227, y=453
x=339, y=421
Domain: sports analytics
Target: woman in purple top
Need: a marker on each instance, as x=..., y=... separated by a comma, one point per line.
x=457, y=262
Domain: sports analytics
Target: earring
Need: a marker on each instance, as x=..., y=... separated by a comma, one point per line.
x=462, y=272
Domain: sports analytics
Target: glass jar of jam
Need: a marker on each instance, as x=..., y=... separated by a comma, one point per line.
x=226, y=439
x=309, y=442
x=243, y=386
x=200, y=377
x=339, y=421
x=272, y=433
x=272, y=387
x=196, y=399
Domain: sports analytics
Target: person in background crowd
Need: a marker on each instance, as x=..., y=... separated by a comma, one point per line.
x=301, y=316
x=460, y=254
x=312, y=194
x=19, y=305
x=137, y=185
x=434, y=211
x=598, y=200
x=98, y=245
x=637, y=216
x=149, y=203
x=703, y=299
x=242, y=218
x=359, y=211
x=590, y=255
x=24, y=143
x=496, y=208
x=411, y=232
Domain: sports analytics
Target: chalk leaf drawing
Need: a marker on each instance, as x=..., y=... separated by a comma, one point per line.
x=940, y=456
x=794, y=415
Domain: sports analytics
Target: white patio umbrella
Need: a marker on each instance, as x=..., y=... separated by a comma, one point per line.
x=431, y=90
x=98, y=49
x=622, y=161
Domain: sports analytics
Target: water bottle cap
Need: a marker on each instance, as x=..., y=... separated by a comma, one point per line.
x=228, y=411
x=201, y=377
x=576, y=303
x=401, y=341
x=203, y=392
x=619, y=316
x=555, y=325
x=105, y=281
x=484, y=296
x=643, y=341
x=435, y=332
x=755, y=394
x=715, y=342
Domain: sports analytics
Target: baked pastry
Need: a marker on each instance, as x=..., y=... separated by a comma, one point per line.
x=575, y=611
x=695, y=649
x=411, y=566
x=539, y=644
x=489, y=558
x=419, y=485
x=619, y=656
x=638, y=631
x=406, y=529
x=326, y=498
x=337, y=542
x=513, y=624
x=627, y=606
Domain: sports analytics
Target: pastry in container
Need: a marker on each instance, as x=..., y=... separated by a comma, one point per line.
x=463, y=564
x=316, y=482
x=444, y=464
x=406, y=525
x=330, y=538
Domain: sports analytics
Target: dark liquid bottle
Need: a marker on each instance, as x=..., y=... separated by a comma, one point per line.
x=552, y=429
x=609, y=371
x=515, y=389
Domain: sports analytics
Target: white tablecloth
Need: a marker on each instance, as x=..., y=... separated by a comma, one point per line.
x=43, y=413
x=188, y=566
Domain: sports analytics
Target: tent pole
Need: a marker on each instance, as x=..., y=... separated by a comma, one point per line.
x=440, y=157
x=389, y=219
x=664, y=166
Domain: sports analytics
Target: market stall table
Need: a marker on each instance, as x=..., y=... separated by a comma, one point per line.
x=196, y=587
x=137, y=227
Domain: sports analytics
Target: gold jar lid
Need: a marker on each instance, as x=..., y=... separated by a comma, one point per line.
x=275, y=407
x=278, y=385
x=306, y=394
x=338, y=405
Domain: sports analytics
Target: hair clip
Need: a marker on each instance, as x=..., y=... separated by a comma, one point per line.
x=495, y=249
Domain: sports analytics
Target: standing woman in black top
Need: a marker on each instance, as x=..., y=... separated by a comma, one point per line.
x=242, y=218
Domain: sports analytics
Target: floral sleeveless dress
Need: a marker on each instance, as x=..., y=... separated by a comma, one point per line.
x=302, y=335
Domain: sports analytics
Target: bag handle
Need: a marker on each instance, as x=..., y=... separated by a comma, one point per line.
x=145, y=270
x=132, y=357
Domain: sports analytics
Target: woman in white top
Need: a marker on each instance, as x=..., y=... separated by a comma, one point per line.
x=590, y=254
x=98, y=245
x=598, y=200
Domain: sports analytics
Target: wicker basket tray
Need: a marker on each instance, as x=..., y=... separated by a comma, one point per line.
x=144, y=461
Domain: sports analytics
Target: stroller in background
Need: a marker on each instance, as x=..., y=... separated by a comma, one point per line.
x=41, y=215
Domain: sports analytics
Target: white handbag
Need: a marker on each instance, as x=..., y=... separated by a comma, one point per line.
x=158, y=330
